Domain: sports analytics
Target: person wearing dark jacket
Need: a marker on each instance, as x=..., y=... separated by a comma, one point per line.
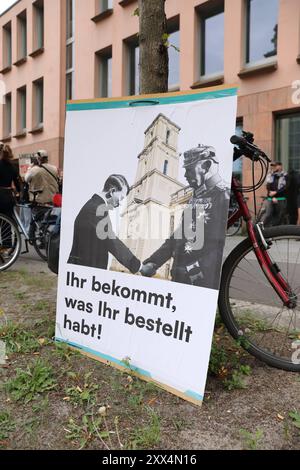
x=276, y=203
x=293, y=196
x=94, y=238
x=8, y=177
x=197, y=263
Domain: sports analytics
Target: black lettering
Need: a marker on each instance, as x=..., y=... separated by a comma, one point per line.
x=106, y=288
x=89, y=307
x=150, y=324
x=129, y=318
x=96, y=286
x=156, y=297
x=71, y=302
x=137, y=294
x=140, y=322
x=125, y=292
x=115, y=289
x=167, y=329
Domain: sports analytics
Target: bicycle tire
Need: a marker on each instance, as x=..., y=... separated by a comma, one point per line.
x=242, y=323
x=40, y=242
x=12, y=253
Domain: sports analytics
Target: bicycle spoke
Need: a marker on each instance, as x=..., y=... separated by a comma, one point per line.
x=269, y=326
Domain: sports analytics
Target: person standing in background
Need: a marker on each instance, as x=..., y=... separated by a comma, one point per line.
x=8, y=177
x=276, y=203
x=292, y=191
x=42, y=177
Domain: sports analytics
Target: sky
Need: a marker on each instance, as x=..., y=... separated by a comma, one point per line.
x=4, y=4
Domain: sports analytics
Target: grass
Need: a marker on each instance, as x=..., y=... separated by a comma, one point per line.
x=58, y=398
x=83, y=395
x=148, y=436
x=237, y=378
x=83, y=430
x=7, y=426
x=18, y=340
x=295, y=415
x=251, y=440
x=28, y=384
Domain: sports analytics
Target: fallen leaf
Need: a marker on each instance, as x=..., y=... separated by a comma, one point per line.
x=152, y=401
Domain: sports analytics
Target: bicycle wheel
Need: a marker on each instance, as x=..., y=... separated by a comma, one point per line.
x=235, y=228
x=10, y=242
x=40, y=241
x=251, y=309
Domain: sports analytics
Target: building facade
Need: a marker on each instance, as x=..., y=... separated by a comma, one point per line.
x=53, y=50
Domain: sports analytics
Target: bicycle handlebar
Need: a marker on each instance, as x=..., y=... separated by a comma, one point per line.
x=247, y=149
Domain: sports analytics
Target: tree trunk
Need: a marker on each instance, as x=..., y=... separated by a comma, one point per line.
x=153, y=39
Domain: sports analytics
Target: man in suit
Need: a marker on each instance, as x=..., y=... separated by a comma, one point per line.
x=193, y=262
x=94, y=237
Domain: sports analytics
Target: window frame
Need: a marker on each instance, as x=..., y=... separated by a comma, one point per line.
x=70, y=42
x=22, y=32
x=21, y=112
x=205, y=12
x=7, y=116
x=7, y=45
x=278, y=153
x=102, y=58
x=173, y=26
x=264, y=60
x=38, y=103
x=38, y=19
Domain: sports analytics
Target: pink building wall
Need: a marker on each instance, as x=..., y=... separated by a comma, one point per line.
x=261, y=94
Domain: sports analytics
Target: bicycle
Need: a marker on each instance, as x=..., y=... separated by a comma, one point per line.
x=35, y=233
x=260, y=281
x=235, y=228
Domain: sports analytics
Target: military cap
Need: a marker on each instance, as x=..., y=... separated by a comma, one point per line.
x=200, y=153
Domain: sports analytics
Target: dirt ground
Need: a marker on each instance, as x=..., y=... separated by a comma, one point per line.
x=52, y=398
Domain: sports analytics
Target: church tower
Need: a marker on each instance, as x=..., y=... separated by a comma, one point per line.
x=147, y=217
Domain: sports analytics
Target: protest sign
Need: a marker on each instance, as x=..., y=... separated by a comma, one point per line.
x=145, y=203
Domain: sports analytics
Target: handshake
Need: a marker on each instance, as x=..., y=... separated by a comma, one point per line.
x=148, y=269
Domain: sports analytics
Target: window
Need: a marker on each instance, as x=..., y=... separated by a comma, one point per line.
x=22, y=35
x=69, y=58
x=103, y=79
x=212, y=39
x=166, y=164
x=38, y=24
x=288, y=141
x=168, y=136
x=21, y=109
x=133, y=54
x=262, y=29
x=7, y=116
x=7, y=46
x=104, y=5
x=70, y=19
x=70, y=45
x=38, y=103
x=174, y=62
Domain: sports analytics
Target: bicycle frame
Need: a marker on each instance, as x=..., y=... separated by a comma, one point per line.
x=19, y=222
x=260, y=246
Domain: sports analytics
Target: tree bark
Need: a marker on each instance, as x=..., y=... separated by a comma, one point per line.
x=153, y=39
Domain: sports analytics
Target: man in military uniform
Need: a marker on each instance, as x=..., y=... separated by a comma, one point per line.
x=197, y=263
